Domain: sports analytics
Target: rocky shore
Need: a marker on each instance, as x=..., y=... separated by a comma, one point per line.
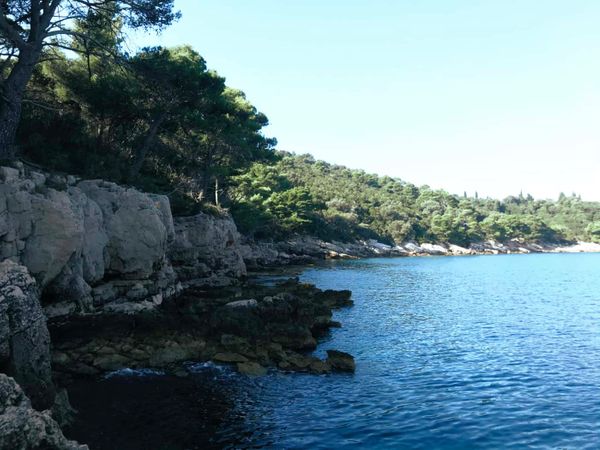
x=96, y=277
x=308, y=249
x=252, y=327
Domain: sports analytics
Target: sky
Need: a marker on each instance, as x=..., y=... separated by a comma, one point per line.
x=495, y=97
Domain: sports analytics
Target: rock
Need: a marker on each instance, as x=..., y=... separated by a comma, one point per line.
x=57, y=234
x=236, y=344
x=293, y=336
x=22, y=427
x=24, y=337
x=9, y=174
x=587, y=247
x=94, y=253
x=433, y=249
x=137, y=236
x=458, y=250
x=298, y=361
x=251, y=303
x=251, y=368
x=413, y=248
x=320, y=367
x=206, y=249
x=229, y=357
x=340, y=361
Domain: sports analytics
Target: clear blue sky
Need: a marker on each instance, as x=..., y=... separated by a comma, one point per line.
x=489, y=96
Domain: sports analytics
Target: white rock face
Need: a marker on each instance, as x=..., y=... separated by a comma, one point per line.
x=94, y=243
x=458, y=250
x=206, y=250
x=434, y=249
x=413, y=248
x=588, y=247
x=56, y=234
x=135, y=226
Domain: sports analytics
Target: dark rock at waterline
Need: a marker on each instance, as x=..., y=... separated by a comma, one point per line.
x=22, y=427
x=251, y=369
x=341, y=361
x=229, y=357
x=271, y=330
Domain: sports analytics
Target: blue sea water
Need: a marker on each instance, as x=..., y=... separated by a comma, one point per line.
x=477, y=352
x=452, y=353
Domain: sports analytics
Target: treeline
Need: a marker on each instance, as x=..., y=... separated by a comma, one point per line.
x=74, y=100
x=301, y=195
x=158, y=119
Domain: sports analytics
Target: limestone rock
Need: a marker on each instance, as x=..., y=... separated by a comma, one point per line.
x=207, y=248
x=434, y=249
x=22, y=427
x=137, y=236
x=56, y=235
x=251, y=303
x=24, y=337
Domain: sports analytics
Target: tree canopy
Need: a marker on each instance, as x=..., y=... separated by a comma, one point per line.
x=30, y=28
x=344, y=204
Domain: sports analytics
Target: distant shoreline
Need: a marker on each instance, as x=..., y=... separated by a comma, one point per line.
x=308, y=249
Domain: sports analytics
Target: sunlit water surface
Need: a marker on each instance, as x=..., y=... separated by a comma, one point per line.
x=451, y=352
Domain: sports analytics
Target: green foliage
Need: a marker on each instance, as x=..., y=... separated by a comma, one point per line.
x=159, y=120
x=344, y=204
x=593, y=231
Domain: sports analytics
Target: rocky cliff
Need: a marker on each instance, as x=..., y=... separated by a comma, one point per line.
x=87, y=248
x=96, y=246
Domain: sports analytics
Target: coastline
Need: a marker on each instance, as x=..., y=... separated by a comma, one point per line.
x=97, y=277
x=261, y=255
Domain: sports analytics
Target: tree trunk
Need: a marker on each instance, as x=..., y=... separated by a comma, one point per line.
x=142, y=151
x=217, y=191
x=11, y=101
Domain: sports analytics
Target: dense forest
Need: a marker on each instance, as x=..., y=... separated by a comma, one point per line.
x=299, y=194
x=160, y=120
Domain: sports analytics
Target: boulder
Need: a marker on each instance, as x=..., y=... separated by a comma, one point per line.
x=24, y=337
x=57, y=234
x=252, y=369
x=206, y=250
x=135, y=226
x=22, y=427
x=340, y=361
x=229, y=357
x=458, y=250
x=411, y=247
x=434, y=249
